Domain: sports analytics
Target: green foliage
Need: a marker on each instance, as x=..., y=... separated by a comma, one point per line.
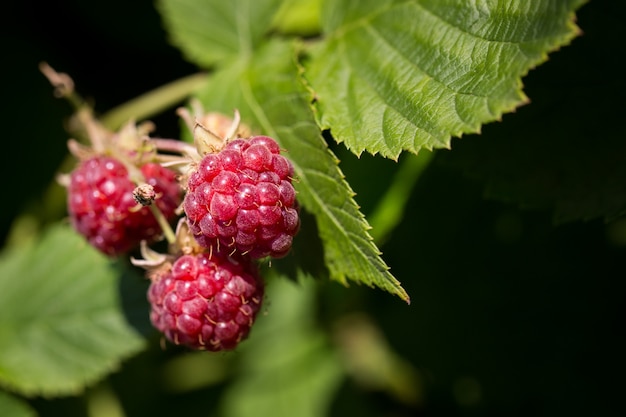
x=387, y=76
x=14, y=407
x=349, y=88
x=288, y=368
x=61, y=323
x=263, y=85
x=298, y=18
x=210, y=32
x=563, y=152
x=405, y=75
x=267, y=93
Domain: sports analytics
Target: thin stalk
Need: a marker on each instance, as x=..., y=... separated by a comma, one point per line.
x=63, y=86
x=389, y=211
x=154, y=102
x=137, y=177
x=167, y=230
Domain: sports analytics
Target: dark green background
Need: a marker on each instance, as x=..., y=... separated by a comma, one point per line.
x=533, y=312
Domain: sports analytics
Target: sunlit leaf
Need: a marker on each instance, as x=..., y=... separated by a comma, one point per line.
x=211, y=31
x=565, y=152
x=298, y=17
x=61, y=323
x=267, y=92
x=400, y=75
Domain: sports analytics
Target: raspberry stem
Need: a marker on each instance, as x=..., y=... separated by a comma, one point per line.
x=137, y=177
x=169, y=234
x=63, y=86
x=154, y=101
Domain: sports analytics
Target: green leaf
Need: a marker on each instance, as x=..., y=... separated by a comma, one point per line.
x=211, y=31
x=287, y=367
x=270, y=97
x=61, y=325
x=11, y=406
x=298, y=18
x=404, y=75
x=566, y=151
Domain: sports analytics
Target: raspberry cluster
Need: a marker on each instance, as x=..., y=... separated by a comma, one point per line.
x=242, y=199
x=231, y=195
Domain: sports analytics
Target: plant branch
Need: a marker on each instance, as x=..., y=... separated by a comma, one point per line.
x=154, y=101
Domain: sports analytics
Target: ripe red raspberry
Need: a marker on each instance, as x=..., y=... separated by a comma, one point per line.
x=206, y=301
x=102, y=208
x=242, y=198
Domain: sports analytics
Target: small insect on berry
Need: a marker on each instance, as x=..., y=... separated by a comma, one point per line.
x=144, y=194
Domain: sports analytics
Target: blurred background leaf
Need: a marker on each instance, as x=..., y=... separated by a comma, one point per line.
x=61, y=325
x=11, y=406
x=209, y=32
x=289, y=367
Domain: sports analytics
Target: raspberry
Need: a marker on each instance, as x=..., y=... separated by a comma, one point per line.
x=206, y=301
x=242, y=198
x=102, y=208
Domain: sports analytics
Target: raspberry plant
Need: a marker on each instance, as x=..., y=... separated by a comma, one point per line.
x=297, y=106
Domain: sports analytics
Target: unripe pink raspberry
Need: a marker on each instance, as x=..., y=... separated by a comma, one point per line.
x=206, y=301
x=102, y=208
x=242, y=198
